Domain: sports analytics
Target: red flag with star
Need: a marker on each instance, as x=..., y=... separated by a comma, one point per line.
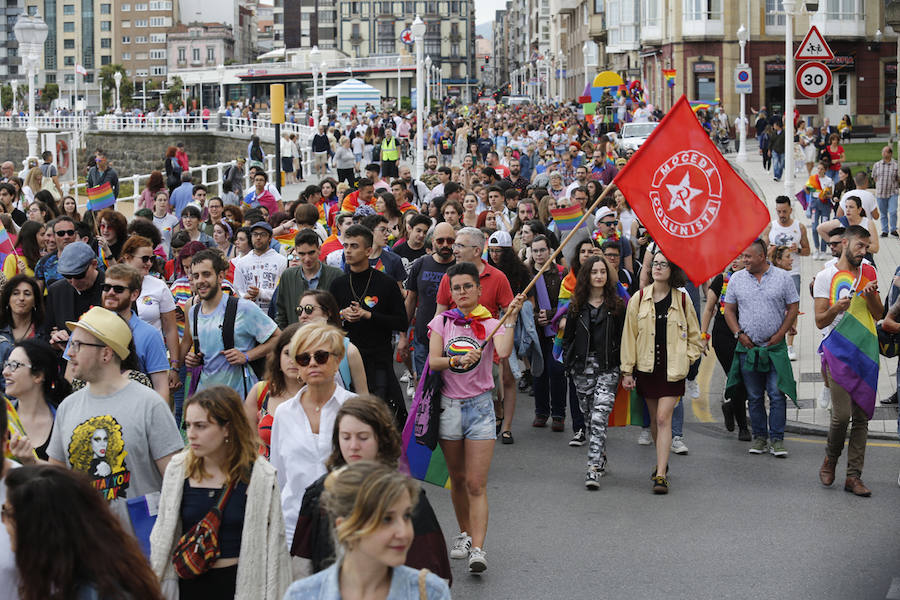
x=696, y=208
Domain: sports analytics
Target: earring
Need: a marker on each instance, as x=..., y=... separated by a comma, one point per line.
x=227, y=440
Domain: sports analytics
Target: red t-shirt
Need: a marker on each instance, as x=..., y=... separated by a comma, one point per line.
x=502, y=171
x=835, y=156
x=495, y=290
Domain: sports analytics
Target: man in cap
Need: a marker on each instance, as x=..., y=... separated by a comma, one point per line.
x=75, y=293
x=256, y=274
x=117, y=432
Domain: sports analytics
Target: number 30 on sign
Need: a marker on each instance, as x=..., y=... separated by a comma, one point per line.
x=813, y=79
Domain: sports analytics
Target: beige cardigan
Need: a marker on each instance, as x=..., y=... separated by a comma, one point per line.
x=264, y=569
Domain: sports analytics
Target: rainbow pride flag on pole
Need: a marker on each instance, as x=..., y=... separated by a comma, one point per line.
x=850, y=352
x=566, y=218
x=701, y=105
x=100, y=197
x=669, y=76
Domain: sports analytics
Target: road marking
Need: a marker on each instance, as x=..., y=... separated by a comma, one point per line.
x=822, y=442
x=700, y=406
x=894, y=591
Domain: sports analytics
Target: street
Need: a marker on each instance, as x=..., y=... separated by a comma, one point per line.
x=733, y=525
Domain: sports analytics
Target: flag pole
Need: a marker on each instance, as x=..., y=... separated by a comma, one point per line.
x=555, y=254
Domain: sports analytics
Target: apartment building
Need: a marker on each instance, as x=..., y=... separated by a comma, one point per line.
x=311, y=23
x=10, y=65
x=200, y=45
x=499, y=59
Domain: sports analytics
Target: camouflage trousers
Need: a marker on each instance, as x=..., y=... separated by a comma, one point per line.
x=596, y=391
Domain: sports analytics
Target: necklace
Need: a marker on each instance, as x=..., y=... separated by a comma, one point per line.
x=359, y=297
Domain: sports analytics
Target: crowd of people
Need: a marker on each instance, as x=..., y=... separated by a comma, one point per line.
x=233, y=359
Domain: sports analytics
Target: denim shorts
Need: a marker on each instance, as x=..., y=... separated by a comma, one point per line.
x=468, y=418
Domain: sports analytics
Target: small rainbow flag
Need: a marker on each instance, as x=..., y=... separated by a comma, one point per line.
x=669, y=76
x=701, y=105
x=103, y=258
x=286, y=239
x=566, y=289
x=866, y=276
x=6, y=246
x=100, y=197
x=850, y=351
x=406, y=206
x=566, y=218
x=842, y=285
x=628, y=409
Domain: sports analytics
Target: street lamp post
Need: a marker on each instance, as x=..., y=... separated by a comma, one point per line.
x=428, y=82
x=788, y=95
x=15, y=90
x=117, y=77
x=30, y=33
x=399, y=62
x=315, y=61
x=418, y=31
x=220, y=71
x=560, y=89
x=742, y=36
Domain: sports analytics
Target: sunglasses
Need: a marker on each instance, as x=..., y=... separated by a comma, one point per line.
x=146, y=259
x=320, y=356
x=444, y=240
x=116, y=288
x=609, y=223
x=307, y=308
x=81, y=275
x=65, y=233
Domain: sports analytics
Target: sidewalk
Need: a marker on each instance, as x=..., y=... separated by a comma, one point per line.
x=808, y=418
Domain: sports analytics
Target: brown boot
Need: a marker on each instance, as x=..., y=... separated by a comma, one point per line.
x=826, y=471
x=855, y=485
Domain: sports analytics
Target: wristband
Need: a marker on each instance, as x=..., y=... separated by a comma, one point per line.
x=246, y=356
x=175, y=364
x=704, y=335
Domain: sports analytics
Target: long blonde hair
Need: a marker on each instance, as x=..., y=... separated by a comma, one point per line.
x=224, y=407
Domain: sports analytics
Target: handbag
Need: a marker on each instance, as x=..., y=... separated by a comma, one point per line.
x=199, y=547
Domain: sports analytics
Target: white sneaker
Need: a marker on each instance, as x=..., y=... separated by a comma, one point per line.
x=645, y=439
x=678, y=445
x=815, y=255
x=410, y=389
x=461, y=546
x=791, y=354
x=477, y=561
x=824, y=398
x=404, y=378
x=692, y=389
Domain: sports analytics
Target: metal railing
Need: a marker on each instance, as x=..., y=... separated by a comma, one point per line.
x=173, y=123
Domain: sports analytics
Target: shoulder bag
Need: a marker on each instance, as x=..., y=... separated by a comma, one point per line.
x=198, y=548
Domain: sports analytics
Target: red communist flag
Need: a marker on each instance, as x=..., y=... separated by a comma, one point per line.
x=693, y=204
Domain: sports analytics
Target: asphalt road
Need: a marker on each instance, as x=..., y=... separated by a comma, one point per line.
x=733, y=525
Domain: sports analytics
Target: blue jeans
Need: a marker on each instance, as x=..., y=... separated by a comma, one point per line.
x=777, y=164
x=758, y=385
x=888, y=209
x=820, y=213
x=420, y=355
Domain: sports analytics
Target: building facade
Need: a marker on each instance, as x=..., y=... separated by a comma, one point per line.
x=10, y=64
x=311, y=23
x=200, y=45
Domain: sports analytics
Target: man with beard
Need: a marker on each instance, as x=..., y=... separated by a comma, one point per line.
x=417, y=190
x=422, y=286
x=254, y=333
x=256, y=274
x=120, y=291
x=844, y=406
x=515, y=178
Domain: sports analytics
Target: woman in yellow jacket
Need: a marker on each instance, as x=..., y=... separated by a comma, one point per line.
x=660, y=340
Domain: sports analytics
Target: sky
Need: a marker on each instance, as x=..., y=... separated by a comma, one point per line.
x=485, y=9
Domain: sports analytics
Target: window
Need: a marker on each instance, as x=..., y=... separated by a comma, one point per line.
x=384, y=46
x=68, y=27
x=776, y=20
x=106, y=42
x=158, y=54
x=195, y=54
x=650, y=13
x=210, y=54
x=105, y=25
x=160, y=21
x=454, y=50
x=703, y=10
x=140, y=39
x=89, y=78
x=68, y=9
x=161, y=5
x=69, y=61
x=32, y=11
x=454, y=71
x=141, y=72
x=140, y=6
x=50, y=77
x=126, y=39
x=846, y=10
x=106, y=59
x=432, y=47
x=157, y=38
x=125, y=23
x=182, y=54
x=159, y=70
x=126, y=56
x=69, y=78
x=105, y=9
x=68, y=44
x=140, y=22
x=126, y=7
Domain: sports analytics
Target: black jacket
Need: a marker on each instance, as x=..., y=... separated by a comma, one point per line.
x=603, y=337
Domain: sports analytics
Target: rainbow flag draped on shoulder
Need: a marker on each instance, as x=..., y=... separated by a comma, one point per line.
x=850, y=351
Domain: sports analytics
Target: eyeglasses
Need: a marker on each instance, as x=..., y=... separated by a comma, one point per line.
x=609, y=255
x=77, y=346
x=659, y=265
x=13, y=365
x=320, y=356
x=65, y=233
x=81, y=275
x=465, y=287
x=458, y=246
x=307, y=308
x=443, y=241
x=116, y=288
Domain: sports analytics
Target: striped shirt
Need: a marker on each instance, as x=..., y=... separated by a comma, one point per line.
x=885, y=176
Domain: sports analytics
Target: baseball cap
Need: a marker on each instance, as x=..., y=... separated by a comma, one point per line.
x=75, y=259
x=106, y=326
x=500, y=238
x=261, y=225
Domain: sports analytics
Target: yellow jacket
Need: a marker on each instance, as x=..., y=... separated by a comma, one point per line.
x=682, y=335
x=389, y=150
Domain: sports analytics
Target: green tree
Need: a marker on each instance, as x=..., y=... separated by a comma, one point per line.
x=173, y=94
x=50, y=93
x=6, y=97
x=108, y=86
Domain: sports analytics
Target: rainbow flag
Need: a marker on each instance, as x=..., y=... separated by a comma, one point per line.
x=418, y=460
x=850, y=352
x=566, y=218
x=803, y=198
x=6, y=246
x=406, y=206
x=100, y=197
x=866, y=276
x=628, y=409
x=566, y=289
x=701, y=105
x=103, y=259
x=669, y=76
x=286, y=239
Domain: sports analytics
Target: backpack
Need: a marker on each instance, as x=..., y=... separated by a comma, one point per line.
x=231, y=308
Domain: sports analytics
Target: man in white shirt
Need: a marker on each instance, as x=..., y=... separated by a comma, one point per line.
x=581, y=179
x=257, y=273
x=866, y=198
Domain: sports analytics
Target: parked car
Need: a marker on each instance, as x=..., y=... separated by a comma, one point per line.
x=516, y=100
x=633, y=135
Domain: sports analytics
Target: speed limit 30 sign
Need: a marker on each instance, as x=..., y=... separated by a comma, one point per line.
x=813, y=79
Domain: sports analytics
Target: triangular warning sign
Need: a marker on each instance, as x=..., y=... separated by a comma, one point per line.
x=814, y=47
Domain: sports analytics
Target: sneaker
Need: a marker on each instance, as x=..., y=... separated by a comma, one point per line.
x=744, y=435
x=404, y=378
x=824, y=398
x=558, y=424
x=410, y=389
x=579, y=439
x=660, y=485
x=678, y=445
x=461, y=546
x=645, y=439
x=759, y=446
x=592, y=478
x=791, y=354
x=777, y=449
x=894, y=233
x=477, y=561
x=892, y=399
x=692, y=389
x=884, y=234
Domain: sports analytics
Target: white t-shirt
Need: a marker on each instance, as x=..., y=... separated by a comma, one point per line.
x=155, y=299
x=867, y=198
x=822, y=289
x=262, y=271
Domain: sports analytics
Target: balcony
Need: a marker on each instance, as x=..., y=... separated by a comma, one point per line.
x=562, y=6
x=702, y=28
x=840, y=24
